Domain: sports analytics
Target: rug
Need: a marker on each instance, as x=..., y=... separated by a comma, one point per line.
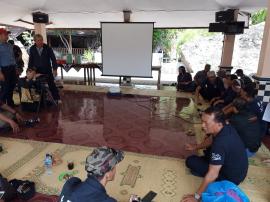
x=136, y=174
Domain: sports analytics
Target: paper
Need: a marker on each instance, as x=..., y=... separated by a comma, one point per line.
x=266, y=115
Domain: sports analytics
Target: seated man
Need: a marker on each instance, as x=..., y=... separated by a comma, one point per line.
x=255, y=105
x=184, y=80
x=201, y=76
x=227, y=158
x=248, y=128
x=8, y=117
x=213, y=87
x=244, y=78
x=30, y=90
x=101, y=168
x=228, y=95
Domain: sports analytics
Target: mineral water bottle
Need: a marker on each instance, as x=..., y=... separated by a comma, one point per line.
x=48, y=164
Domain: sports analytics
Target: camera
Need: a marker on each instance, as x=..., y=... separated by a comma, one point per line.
x=31, y=122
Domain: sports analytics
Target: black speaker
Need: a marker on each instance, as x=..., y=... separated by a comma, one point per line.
x=217, y=27
x=39, y=17
x=225, y=16
x=235, y=28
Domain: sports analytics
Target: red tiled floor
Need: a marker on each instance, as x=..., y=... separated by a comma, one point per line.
x=40, y=198
x=138, y=124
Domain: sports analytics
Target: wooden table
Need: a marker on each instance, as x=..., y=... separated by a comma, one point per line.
x=89, y=71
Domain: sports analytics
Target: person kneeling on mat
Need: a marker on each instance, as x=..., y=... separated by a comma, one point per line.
x=8, y=118
x=101, y=168
x=227, y=159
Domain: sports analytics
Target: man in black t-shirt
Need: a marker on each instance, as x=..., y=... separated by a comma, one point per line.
x=184, y=80
x=211, y=88
x=247, y=125
x=227, y=159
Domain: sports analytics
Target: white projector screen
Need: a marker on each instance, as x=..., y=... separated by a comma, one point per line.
x=127, y=49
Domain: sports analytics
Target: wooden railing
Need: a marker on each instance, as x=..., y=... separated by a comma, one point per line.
x=75, y=51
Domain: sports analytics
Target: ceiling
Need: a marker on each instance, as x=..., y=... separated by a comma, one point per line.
x=89, y=13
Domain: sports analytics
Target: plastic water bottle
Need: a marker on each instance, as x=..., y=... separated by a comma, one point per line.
x=48, y=164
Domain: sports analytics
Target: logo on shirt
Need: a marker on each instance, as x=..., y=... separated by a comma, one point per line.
x=216, y=157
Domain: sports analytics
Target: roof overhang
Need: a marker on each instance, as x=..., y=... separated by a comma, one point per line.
x=89, y=13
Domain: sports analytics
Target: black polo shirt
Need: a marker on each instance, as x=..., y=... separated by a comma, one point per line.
x=229, y=151
x=249, y=132
x=88, y=191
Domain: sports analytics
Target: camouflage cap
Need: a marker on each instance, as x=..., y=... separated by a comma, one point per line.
x=103, y=160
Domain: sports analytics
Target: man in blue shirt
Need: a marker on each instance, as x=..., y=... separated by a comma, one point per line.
x=7, y=69
x=226, y=160
x=101, y=168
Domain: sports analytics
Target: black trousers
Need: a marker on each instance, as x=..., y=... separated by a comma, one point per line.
x=52, y=87
x=199, y=165
x=7, y=86
x=51, y=84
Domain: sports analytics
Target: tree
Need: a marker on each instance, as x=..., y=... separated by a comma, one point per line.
x=164, y=38
x=259, y=17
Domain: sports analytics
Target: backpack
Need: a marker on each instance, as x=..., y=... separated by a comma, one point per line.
x=25, y=189
x=224, y=191
x=9, y=192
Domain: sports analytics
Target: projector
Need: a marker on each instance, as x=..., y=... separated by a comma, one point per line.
x=114, y=91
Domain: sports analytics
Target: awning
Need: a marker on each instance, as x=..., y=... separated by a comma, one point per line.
x=89, y=13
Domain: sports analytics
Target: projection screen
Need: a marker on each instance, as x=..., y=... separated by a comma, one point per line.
x=127, y=49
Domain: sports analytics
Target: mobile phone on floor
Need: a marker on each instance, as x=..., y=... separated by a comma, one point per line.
x=149, y=196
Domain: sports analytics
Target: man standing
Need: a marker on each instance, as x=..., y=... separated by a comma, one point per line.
x=227, y=159
x=7, y=69
x=42, y=57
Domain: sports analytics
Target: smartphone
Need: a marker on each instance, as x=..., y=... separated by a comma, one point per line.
x=2, y=194
x=149, y=196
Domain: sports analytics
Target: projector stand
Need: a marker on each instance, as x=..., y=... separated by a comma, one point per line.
x=126, y=81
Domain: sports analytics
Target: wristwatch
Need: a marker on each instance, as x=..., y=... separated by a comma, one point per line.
x=197, y=196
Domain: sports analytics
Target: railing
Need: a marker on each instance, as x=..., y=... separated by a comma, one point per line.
x=75, y=51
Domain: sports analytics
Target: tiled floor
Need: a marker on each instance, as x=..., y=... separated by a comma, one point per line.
x=149, y=125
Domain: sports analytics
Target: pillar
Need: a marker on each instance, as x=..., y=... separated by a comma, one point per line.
x=227, y=50
x=262, y=77
x=40, y=28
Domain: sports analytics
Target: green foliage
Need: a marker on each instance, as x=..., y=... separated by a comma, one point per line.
x=88, y=55
x=259, y=17
x=28, y=38
x=163, y=38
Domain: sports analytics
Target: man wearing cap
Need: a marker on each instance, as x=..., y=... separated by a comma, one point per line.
x=211, y=88
x=101, y=168
x=7, y=69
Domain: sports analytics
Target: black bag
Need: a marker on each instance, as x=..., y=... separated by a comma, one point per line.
x=25, y=189
x=10, y=192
